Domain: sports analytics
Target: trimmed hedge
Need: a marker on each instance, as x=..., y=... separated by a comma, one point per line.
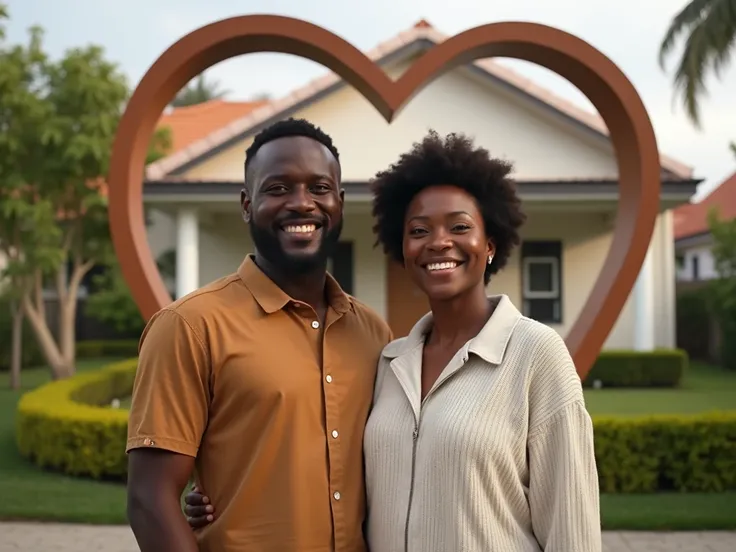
x=667, y=453
x=659, y=368
x=634, y=455
x=123, y=348
x=64, y=426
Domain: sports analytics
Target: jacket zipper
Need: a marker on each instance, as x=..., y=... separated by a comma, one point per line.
x=415, y=437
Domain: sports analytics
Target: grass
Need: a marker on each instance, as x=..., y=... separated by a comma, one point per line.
x=704, y=388
x=669, y=512
x=30, y=493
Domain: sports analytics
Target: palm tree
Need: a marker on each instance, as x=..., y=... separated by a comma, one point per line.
x=710, y=27
x=198, y=91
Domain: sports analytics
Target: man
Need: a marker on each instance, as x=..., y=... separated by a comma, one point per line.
x=261, y=381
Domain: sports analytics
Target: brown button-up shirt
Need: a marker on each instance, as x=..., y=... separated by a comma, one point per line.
x=271, y=404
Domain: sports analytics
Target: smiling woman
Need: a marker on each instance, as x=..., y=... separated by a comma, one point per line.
x=501, y=450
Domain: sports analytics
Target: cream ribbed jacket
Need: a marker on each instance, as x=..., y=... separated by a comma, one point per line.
x=497, y=458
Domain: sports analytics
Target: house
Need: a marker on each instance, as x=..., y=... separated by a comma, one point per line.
x=693, y=238
x=565, y=167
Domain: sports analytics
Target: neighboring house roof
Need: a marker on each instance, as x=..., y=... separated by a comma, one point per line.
x=191, y=123
x=692, y=219
x=421, y=32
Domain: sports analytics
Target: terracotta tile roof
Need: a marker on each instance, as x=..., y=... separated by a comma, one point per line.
x=692, y=219
x=191, y=123
x=420, y=31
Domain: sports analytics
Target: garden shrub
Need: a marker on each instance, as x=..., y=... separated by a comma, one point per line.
x=55, y=428
x=667, y=453
x=119, y=348
x=658, y=368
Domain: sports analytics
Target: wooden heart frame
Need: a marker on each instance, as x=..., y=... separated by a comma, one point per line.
x=594, y=74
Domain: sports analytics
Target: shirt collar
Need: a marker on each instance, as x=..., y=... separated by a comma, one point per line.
x=272, y=298
x=490, y=343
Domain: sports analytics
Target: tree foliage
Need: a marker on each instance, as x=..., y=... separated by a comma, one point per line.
x=723, y=288
x=58, y=120
x=710, y=30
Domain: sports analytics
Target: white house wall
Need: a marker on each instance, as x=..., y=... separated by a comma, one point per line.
x=539, y=146
x=706, y=263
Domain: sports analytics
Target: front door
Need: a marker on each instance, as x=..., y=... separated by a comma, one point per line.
x=406, y=303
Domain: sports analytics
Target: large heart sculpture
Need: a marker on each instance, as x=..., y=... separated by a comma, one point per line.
x=595, y=75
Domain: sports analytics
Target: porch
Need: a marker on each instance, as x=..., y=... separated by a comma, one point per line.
x=549, y=277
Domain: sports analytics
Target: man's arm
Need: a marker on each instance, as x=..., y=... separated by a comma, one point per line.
x=168, y=416
x=156, y=479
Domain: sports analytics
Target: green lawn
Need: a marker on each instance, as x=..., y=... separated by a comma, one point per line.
x=30, y=493
x=704, y=388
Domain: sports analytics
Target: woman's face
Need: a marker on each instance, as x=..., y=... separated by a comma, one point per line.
x=445, y=245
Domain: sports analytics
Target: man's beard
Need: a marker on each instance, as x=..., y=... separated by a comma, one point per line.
x=267, y=243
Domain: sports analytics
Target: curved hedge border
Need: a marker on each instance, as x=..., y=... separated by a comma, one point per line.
x=66, y=425
x=59, y=427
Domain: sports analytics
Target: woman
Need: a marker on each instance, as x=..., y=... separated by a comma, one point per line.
x=478, y=438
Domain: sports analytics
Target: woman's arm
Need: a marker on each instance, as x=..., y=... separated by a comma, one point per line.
x=563, y=486
x=563, y=477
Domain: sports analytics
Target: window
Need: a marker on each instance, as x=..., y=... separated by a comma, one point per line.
x=340, y=265
x=541, y=279
x=696, y=267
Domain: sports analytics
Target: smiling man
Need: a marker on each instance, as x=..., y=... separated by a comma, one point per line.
x=261, y=381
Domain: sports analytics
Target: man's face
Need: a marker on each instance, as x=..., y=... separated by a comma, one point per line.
x=293, y=203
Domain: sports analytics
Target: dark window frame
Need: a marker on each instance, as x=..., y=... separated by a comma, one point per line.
x=543, y=306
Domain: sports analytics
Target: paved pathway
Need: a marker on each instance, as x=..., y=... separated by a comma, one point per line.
x=49, y=537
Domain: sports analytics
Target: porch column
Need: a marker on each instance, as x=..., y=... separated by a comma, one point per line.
x=187, y=251
x=644, y=305
x=669, y=312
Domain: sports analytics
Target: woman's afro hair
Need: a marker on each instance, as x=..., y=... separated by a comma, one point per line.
x=456, y=161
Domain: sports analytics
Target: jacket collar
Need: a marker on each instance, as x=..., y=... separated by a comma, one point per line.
x=490, y=344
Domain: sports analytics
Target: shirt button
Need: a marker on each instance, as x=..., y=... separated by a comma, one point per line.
x=335, y=433
x=315, y=324
x=328, y=378
x=336, y=495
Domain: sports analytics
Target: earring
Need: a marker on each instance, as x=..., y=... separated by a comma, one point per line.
x=490, y=259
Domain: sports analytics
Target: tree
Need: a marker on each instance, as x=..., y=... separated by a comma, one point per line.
x=59, y=126
x=198, y=91
x=723, y=288
x=86, y=94
x=27, y=230
x=710, y=26
x=58, y=121
x=112, y=303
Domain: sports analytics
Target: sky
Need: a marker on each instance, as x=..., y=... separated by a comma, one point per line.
x=134, y=33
